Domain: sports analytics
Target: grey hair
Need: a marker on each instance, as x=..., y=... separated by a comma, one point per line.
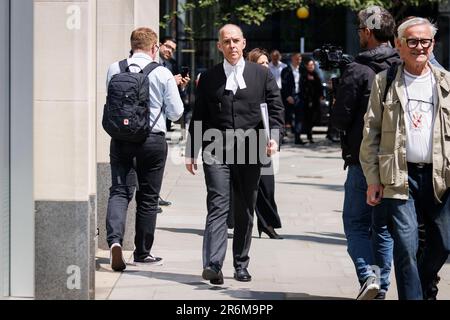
x=416, y=21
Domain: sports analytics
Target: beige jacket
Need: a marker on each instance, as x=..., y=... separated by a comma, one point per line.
x=383, y=149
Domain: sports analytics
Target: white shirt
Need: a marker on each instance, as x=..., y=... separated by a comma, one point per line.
x=296, y=72
x=235, y=75
x=420, y=114
x=276, y=71
x=163, y=91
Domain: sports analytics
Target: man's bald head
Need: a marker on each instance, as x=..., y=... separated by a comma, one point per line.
x=231, y=43
x=227, y=27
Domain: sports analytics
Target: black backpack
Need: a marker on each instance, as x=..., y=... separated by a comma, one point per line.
x=390, y=77
x=126, y=115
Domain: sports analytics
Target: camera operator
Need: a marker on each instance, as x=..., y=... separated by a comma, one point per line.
x=376, y=28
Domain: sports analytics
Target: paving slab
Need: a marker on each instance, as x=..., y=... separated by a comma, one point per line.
x=311, y=262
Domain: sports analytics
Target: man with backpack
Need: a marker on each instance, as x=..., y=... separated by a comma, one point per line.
x=141, y=95
x=367, y=246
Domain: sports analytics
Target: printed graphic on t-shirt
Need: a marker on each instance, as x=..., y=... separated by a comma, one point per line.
x=417, y=120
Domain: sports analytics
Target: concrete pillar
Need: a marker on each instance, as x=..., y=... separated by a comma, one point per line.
x=4, y=148
x=116, y=20
x=64, y=153
x=22, y=233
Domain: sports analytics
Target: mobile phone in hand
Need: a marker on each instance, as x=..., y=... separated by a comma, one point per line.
x=184, y=71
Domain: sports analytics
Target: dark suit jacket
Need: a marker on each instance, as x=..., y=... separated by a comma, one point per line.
x=220, y=109
x=171, y=65
x=288, y=83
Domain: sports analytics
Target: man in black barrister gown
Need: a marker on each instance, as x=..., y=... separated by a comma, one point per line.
x=229, y=100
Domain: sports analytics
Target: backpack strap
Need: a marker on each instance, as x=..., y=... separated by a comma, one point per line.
x=150, y=67
x=391, y=73
x=157, y=118
x=146, y=71
x=123, y=65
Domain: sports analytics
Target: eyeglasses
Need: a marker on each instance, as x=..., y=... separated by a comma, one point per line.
x=413, y=43
x=360, y=28
x=169, y=47
x=157, y=47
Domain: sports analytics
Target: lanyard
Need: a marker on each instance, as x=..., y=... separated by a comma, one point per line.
x=408, y=108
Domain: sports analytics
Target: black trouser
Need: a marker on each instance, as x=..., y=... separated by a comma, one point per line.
x=220, y=180
x=311, y=114
x=299, y=112
x=150, y=162
x=266, y=207
x=289, y=115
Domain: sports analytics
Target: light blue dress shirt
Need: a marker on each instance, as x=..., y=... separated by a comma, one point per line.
x=163, y=91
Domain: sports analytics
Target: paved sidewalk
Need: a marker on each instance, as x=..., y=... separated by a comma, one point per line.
x=311, y=261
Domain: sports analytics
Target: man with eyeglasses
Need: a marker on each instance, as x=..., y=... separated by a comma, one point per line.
x=167, y=49
x=433, y=291
x=367, y=246
x=405, y=156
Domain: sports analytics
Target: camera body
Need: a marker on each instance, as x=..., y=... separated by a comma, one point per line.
x=331, y=57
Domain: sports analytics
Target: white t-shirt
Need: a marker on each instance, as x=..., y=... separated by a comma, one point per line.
x=296, y=72
x=420, y=114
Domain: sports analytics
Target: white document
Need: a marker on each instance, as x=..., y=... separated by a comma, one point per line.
x=265, y=119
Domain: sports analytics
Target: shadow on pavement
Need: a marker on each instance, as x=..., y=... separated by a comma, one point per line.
x=322, y=186
x=330, y=234
x=198, y=232
x=320, y=145
x=322, y=157
x=326, y=237
x=200, y=284
x=317, y=239
x=261, y=295
x=100, y=262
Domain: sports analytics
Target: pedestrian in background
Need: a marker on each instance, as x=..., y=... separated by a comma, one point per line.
x=312, y=96
x=266, y=207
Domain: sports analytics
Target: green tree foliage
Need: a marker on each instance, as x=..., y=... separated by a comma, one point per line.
x=256, y=11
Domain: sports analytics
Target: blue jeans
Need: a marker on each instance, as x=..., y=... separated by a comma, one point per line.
x=414, y=278
x=366, y=245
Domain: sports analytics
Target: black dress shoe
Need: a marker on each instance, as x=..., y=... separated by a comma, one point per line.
x=242, y=275
x=213, y=274
x=159, y=210
x=299, y=141
x=164, y=203
x=332, y=139
x=270, y=231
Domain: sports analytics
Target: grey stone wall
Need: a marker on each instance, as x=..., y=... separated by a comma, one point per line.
x=64, y=265
x=103, y=185
x=93, y=240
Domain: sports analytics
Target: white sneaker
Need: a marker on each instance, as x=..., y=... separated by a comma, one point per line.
x=116, y=258
x=150, y=260
x=369, y=289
